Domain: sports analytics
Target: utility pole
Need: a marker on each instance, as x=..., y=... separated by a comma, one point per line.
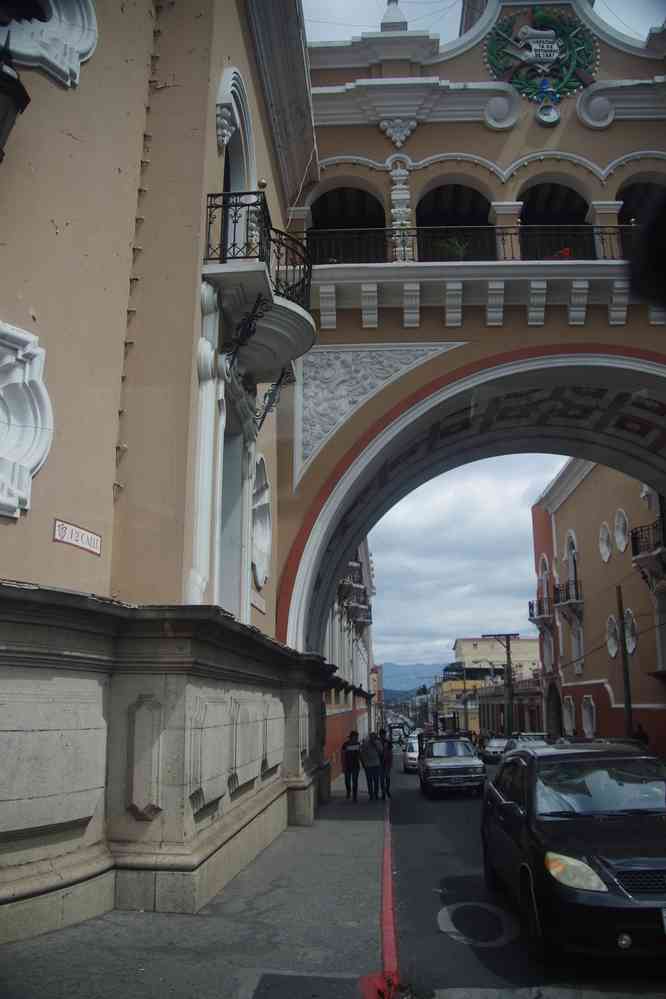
x=628, y=717
x=505, y=641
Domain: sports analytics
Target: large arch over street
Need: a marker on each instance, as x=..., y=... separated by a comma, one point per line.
x=603, y=403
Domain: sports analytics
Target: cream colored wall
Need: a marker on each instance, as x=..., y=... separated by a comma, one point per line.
x=596, y=500
x=68, y=191
x=155, y=508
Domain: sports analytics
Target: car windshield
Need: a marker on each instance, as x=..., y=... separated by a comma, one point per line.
x=412, y=746
x=449, y=748
x=496, y=744
x=589, y=787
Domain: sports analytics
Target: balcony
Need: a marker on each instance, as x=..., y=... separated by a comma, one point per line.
x=469, y=243
x=568, y=599
x=649, y=552
x=541, y=612
x=254, y=264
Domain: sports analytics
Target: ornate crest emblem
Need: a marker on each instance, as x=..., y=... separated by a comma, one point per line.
x=548, y=56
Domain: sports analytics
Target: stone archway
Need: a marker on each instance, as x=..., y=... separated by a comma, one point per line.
x=607, y=407
x=553, y=711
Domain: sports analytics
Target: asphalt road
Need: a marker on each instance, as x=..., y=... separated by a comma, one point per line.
x=454, y=934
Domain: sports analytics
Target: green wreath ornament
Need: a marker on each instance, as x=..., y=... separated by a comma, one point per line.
x=574, y=69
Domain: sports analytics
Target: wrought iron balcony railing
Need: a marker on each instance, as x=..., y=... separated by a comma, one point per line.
x=238, y=227
x=470, y=243
x=541, y=607
x=648, y=539
x=569, y=592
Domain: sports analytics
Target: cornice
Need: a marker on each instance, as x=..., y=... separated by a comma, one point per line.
x=278, y=27
x=423, y=99
x=607, y=101
x=564, y=484
x=469, y=270
x=502, y=173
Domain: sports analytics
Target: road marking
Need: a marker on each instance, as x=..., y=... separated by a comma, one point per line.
x=383, y=983
x=510, y=926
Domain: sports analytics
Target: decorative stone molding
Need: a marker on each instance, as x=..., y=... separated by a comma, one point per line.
x=398, y=105
x=336, y=381
x=58, y=45
x=244, y=404
x=369, y=306
x=619, y=303
x=225, y=124
x=536, y=305
x=578, y=297
x=26, y=417
x=453, y=301
x=398, y=130
x=327, y=309
x=303, y=726
x=411, y=298
x=245, y=759
x=495, y=304
x=262, y=524
x=144, y=757
x=273, y=733
x=232, y=114
x=622, y=100
x=207, y=762
x=505, y=174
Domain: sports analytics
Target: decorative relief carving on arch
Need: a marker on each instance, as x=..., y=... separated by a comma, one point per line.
x=337, y=381
x=56, y=45
x=26, y=417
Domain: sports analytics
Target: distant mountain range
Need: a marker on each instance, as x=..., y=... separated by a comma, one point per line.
x=406, y=677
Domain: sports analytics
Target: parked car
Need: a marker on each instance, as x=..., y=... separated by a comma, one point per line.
x=450, y=764
x=577, y=834
x=493, y=749
x=520, y=739
x=410, y=756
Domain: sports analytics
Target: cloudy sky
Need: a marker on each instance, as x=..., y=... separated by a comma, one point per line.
x=341, y=19
x=454, y=558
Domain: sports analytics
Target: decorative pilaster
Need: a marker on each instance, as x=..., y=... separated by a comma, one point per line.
x=401, y=212
x=604, y=216
x=505, y=216
x=197, y=579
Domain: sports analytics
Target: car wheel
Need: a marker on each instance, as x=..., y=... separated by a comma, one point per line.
x=537, y=944
x=489, y=872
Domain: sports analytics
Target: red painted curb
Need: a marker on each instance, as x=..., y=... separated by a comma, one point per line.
x=383, y=984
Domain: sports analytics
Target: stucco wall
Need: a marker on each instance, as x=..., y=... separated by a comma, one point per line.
x=69, y=197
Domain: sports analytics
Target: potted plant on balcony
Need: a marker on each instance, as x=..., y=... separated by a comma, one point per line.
x=454, y=248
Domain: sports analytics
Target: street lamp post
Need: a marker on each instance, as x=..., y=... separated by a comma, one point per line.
x=14, y=98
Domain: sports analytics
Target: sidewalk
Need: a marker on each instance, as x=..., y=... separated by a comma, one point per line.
x=301, y=922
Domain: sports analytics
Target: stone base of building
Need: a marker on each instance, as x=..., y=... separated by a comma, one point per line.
x=157, y=751
x=54, y=910
x=162, y=890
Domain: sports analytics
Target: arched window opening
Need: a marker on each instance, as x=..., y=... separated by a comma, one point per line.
x=348, y=227
x=569, y=716
x=554, y=224
x=453, y=225
x=639, y=201
x=589, y=716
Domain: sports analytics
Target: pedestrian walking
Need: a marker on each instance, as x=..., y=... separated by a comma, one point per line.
x=386, y=764
x=351, y=764
x=371, y=760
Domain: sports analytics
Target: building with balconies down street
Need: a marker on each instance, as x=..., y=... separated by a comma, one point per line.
x=594, y=530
